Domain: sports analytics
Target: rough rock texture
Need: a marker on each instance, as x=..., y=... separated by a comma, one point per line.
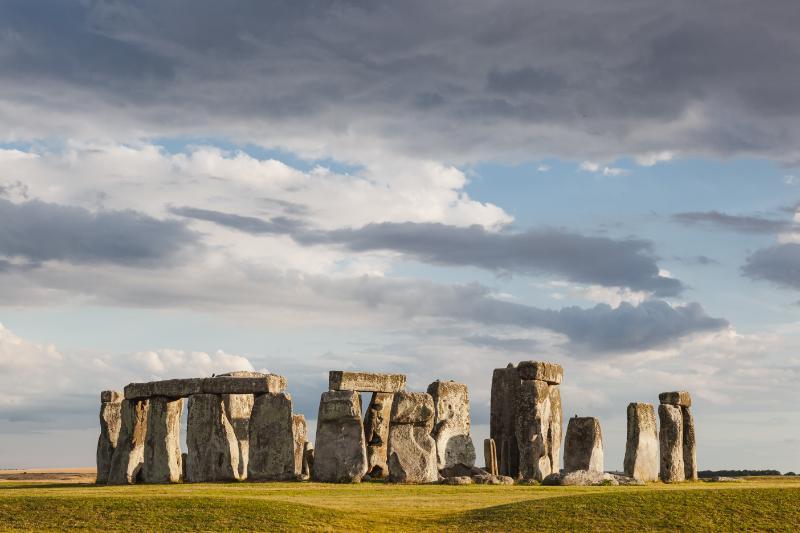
x=412, y=450
x=451, y=424
x=502, y=421
x=308, y=460
x=179, y=388
x=272, y=452
x=340, y=453
x=490, y=456
x=163, y=462
x=724, y=479
x=366, y=381
x=641, y=448
x=299, y=434
x=532, y=429
x=238, y=408
x=110, y=422
x=376, y=433
x=581, y=478
x=671, y=443
x=457, y=480
x=689, y=445
x=489, y=479
x=681, y=398
x=172, y=388
x=211, y=440
x=128, y=457
x=556, y=429
x=462, y=470
x=583, y=446
x=552, y=373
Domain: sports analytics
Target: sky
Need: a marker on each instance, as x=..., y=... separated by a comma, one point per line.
x=432, y=188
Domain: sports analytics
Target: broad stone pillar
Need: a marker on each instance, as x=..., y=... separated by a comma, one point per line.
x=412, y=450
x=641, y=449
x=671, y=443
x=583, y=446
x=211, y=441
x=129, y=453
x=502, y=421
x=299, y=433
x=376, y=433
x=340, y=454
x=110, y=422
x=532, y=429
x=451, y=424
x=162, y=449
x=490, y=456
x=271, y=438
x=689, y=445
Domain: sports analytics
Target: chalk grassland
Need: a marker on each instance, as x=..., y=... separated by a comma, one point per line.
x=756, y=504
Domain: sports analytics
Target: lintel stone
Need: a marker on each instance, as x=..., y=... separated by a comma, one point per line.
x=179, y=388
x=552, y=373
x=111, y=396
x=681, y=398
x=366, y=381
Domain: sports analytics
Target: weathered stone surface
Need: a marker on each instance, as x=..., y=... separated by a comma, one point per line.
x=171, y=388
x=641, y=448
x=299, y=434
x=489, y=479
x=128, y=457
x=552, y=373
x=462, y=470
x=308, y=460
x=583, y=446
x=682, y=398
x=556, y=429
x=412, y=450
x=238, y=408
x=451, y=428
x=581, y=478
x=162, y=449
x=689, y=445
x=457, y=480
x=490, y=456
x=502, y=421
x=376, y=433
x=340, y=454
x=671, y=443
x=532, y=429
x=366, y=381
x=272, y=452
x=110, y=422
x=211, y=440
x=180, y=388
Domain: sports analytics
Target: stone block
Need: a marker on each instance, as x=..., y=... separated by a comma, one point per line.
x=111, y=396
x=340, y=454
x=412, y=454
x=366, y=381
x=299, y=435
x=272, y=445
x=238, y=408
x=490, y=456
x=110, y=422
x=126, y=463
x=552, y=373
x=163, y=462
x=412, y=408
x=641, y=448
x=376, y=433
x=264, y=384
x=671, y=443
x=339, y=405
x=583, y=445
x=502, y=419
x=451, y=427
x=689, y=445
x=532, y=429
x=681, y=398
x=213, y=449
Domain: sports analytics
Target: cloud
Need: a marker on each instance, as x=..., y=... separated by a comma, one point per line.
x=779, y=264
x=653, y=158
x=590, y=166
x=503, y=344
x=737, y=223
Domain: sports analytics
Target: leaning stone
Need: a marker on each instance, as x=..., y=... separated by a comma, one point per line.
x=412, y=450
x=126, y=463
x=583, y=445
x=299, y=434
x=457, y=480
x=340, y=454
x=376, y=433
x=552, y=373
x=366, y=381
x=211, y=440
x=682, y=398
x=641, y=448
x=489, y=479
x=490, y=456
x=162, y=448
x=272, y=444
x=671, y=443
x=238, y=408
x=532, y=429
x=110, y=423
x=308, y=460
x=451, y=429
x=502, y=420
x=556, y=428
x=689, y=445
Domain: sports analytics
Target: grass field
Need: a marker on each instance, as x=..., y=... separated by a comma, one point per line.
x=758, y=504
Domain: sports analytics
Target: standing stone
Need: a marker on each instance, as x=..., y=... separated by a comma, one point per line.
x=490, y=456
x=671, y=443
x=532, y=429
x=583, y=446
x=689, y=445
x=211, y=440
x=340, y=455
x=376, y=433
x=128, y=457
x=272, y=442
x=412, y=450
x=556, y=429
x=680, y=398
x=451, y=424
x=641, y=449
x=502, y=421
x=238, y=408
x=299, y=433
x=308, y=460
x=110, y=422
x=162, y=448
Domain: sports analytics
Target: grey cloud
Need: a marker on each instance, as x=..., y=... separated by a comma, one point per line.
x=277, y=225
x=738, y=223
x=779, y=264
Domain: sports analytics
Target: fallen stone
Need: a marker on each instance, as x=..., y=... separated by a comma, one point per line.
x=581, y=478
x=627, y=480
x=724, y=479
x=308, y=460
x=376, y=433
x=128, y=457
x=689, y=445
x=110, y=422
x=556, y=428
x=451, y=427
x=552, y=373
x=162, y=449
x=213, y=449
x=641, y=448
x=532, y=427
x=366, y=381
x=502, y=419
x=490, y=456
x=583, y=445
x=299, y=433
x=412, y=450
x=459, y=470
x=457, y=480
x=671, y=443
x=489, y=479
x=340, y=454
x=238, y=408
x=272, y=444
x=681, y=398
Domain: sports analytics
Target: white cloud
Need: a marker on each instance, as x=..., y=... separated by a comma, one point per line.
x=597, y=168
x=650, y=159
x=543, y=168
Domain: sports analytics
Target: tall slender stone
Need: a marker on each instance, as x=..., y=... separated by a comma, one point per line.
x=502, y=421
x=376, y=433
x=412, y=450
x=299, y=434
x=671, y=443
x=110, y=422
x=162, y=449
x=451, y=429
x=308, y=460
x=238, y=408
x=532, y=429
x=340, y=455
x=641, y=449
x=689, y=445
x=211, y=440
x=490, y=456
x=128, y=457
x=271, y=438
x=556, y=429
x=583, y=445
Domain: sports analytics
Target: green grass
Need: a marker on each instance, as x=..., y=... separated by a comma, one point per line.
x=762, y=505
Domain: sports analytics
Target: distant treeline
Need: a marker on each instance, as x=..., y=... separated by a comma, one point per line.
x=738, y=473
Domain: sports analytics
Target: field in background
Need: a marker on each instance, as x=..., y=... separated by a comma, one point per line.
x=754, y=504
